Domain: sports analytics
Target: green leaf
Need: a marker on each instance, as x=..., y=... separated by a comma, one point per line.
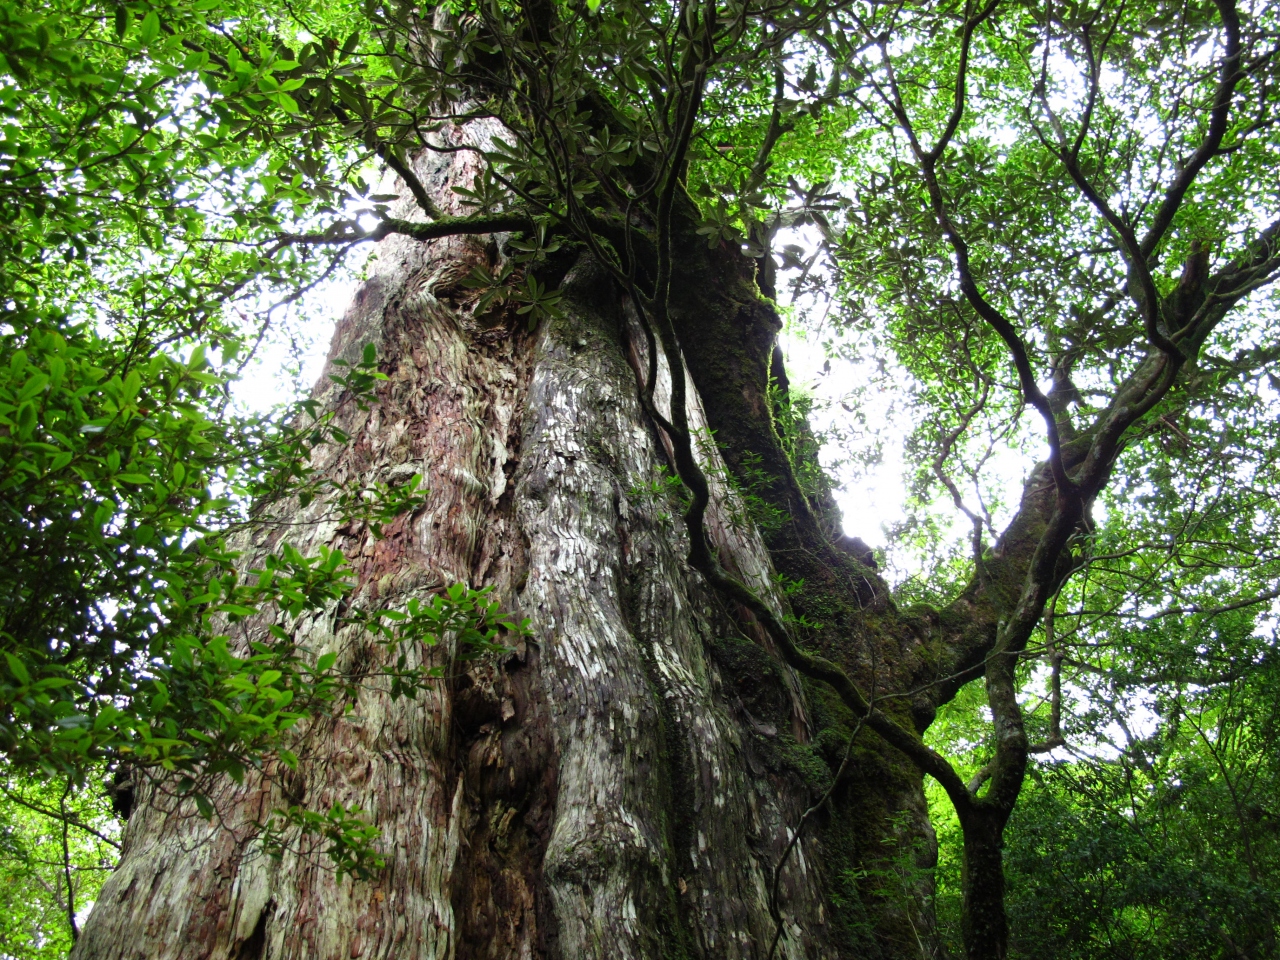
x=18, y=669
x=150, y=28
x=204, y=806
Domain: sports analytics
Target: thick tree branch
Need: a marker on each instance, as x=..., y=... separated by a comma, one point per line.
x=1092, y=456
x=774, y=132
x=402, y=170
x=350, y=231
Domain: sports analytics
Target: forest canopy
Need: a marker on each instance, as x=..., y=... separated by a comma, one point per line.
x=1039, y=238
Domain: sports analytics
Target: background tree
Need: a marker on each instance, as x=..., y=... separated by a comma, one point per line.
x=57, y=845
x=713, y=730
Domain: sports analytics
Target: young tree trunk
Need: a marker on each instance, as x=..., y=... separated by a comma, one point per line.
x=624, y=782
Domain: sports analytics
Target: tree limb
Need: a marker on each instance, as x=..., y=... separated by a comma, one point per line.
x=349, y=231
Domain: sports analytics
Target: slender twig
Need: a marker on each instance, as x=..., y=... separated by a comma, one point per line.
x=66, y=865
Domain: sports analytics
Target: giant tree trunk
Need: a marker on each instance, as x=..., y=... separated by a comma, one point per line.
x=623, y=783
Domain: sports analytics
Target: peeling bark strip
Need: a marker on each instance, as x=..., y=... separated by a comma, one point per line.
x=621, y=786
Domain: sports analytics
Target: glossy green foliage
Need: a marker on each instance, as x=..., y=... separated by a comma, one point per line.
x=117, y=563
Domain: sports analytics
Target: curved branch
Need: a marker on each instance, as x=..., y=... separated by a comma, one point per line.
x=1229, y=76
x=388, y=156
